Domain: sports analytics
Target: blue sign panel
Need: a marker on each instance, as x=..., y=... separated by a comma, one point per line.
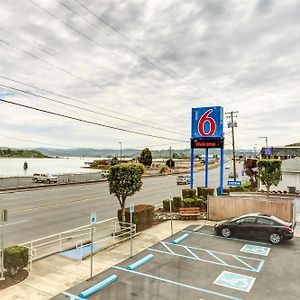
x=256, y=249
x=235, y=281
x=207, y=122
x=268, y=151
x=234, y=183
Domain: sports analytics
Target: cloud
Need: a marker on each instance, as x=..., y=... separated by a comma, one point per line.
x=241, y=55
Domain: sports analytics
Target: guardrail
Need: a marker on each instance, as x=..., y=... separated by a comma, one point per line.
x=26, y=181
x=109, y=231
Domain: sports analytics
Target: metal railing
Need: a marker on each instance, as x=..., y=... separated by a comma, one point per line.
x=106, y=233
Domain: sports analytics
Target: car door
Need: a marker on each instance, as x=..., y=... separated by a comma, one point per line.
x=245, y=226
x=264, y=227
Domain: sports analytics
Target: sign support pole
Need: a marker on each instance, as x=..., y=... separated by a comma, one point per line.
x=171, y=216
x=192, y=168
x=221, y=171
x=206, y=167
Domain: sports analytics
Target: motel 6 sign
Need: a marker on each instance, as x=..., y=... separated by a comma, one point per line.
x=207, y=122
x=207, y=127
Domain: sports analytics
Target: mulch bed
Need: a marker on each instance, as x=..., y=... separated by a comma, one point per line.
x=9, y=281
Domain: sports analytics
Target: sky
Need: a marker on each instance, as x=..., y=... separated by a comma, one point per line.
x=141, y=66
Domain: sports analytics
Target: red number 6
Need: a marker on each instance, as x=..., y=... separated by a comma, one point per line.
x=212, y=124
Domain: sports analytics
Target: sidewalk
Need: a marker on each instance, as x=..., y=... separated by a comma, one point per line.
x=55, y=274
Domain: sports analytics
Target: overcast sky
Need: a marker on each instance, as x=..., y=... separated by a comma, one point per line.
x=142, y=65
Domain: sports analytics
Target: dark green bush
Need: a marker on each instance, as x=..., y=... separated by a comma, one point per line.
x=166, y=205
x=15, y=259
x=226, y=191
x=177, y=202
x=188, y=193
x=200, y=191
x=188, y=202
x=142, y=216
x=239, y=189
x=207, y=191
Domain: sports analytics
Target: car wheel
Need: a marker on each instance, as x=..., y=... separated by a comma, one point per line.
x=275, y=238
x=225, y=232
x=35, y=180
x=47, y=181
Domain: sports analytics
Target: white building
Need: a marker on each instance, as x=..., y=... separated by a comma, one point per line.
x=290, y=176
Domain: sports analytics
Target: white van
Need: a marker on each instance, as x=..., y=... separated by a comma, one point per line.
x=183, y=179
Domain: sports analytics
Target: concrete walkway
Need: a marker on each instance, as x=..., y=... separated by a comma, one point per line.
x=55, y=274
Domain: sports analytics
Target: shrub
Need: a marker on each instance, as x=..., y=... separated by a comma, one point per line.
x=15, y=259
x=177, y=202
x=246, y=184
x=226, y=191
x=207, y=191
x=188, y=202
x=192, y=202
x=142, y=216
x=166, y=205
x=170, y=163
x=200, y=191
x=188, y=193
x=164, y=170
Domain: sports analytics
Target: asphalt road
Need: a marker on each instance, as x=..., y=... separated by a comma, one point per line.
x=50, y=210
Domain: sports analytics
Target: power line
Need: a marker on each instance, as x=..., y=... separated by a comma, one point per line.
x=82, y=108
x=73, y=99
x=87, y=121
x=94, y=41
x=135, y=44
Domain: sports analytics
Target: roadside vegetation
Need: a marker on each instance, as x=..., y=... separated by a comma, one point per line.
x=22, y=153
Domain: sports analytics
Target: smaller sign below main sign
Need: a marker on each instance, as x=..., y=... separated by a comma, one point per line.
x=234, y=183
x=207, y=143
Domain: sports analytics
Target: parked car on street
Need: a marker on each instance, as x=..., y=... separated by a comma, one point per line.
x=256, y=226
x=46, y=178
x=183, y=179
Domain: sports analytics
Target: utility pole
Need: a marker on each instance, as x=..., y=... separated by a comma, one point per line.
x=266, y=138
x=120, y=150
x=170, y=155
x=232, y=124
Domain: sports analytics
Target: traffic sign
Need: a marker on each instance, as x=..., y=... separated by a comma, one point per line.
x=93, y=218
x=131, y=207
x=234, y=183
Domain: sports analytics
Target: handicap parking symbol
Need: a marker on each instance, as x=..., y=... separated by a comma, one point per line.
x=256, y=249
x=235, y=281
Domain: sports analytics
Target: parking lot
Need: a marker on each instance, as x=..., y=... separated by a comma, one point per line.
x=196, y=264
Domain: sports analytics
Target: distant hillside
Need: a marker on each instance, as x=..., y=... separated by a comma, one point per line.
x=7, y=152
x=294, y=144
x=165, y=153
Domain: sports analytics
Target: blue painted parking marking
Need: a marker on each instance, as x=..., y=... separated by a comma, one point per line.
x=219, y=258
x=256, y=249
x=178, y=283
x=235, y=281
x=221, y=237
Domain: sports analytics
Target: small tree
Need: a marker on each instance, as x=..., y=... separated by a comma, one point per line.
x=170, y=163
x=269, y=172
x=145, y=157
x=124, y=181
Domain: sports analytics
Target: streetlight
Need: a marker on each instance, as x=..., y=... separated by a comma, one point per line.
x=120, y=150
x=266, y=138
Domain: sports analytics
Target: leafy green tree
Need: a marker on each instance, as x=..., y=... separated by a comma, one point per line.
x=269, y=172
x=145, y=157
x=124, y=181
x=170, y=163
